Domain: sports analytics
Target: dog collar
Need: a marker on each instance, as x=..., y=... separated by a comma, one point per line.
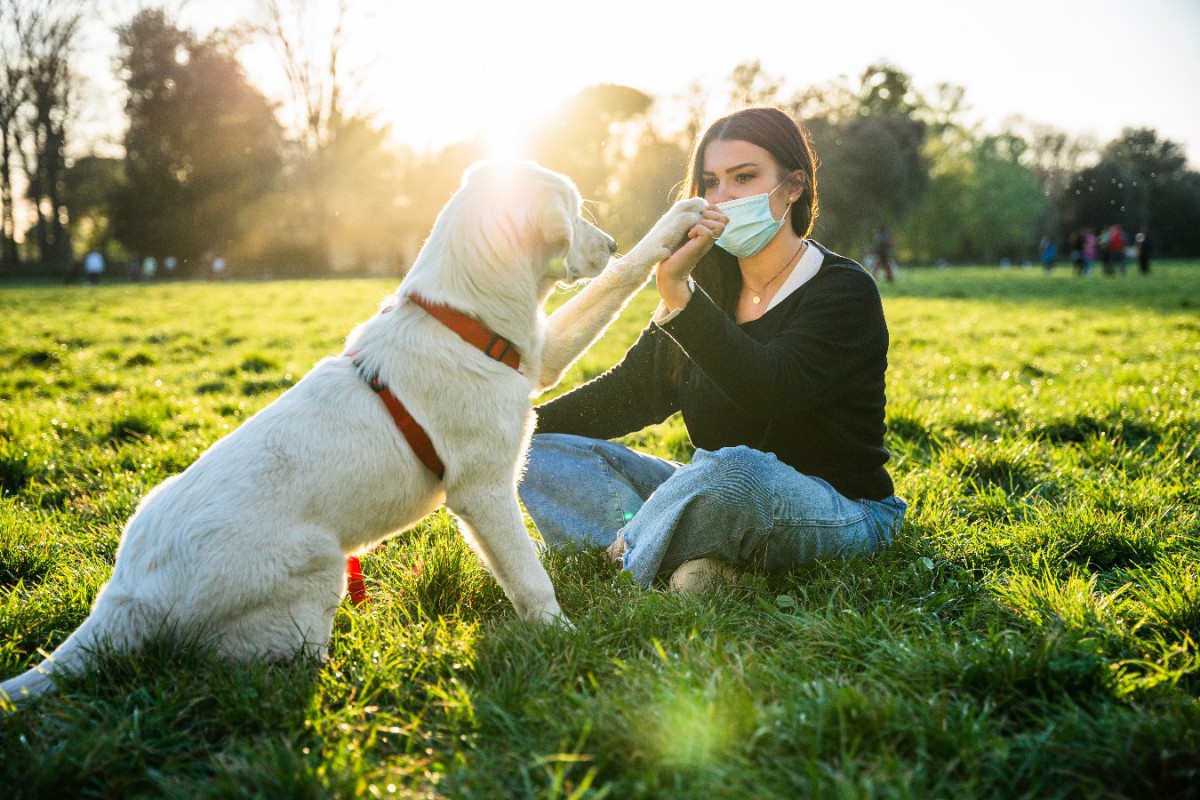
x=471, y=331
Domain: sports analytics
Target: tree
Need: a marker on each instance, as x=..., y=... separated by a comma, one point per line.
x=308, y=39
x=202, y=146
x=341, y=201
x=1139, y=180
x=12, y=99
x=90, y=185
x=751, y=85
x=871, y=149
x=47, y=41
x=646, y=185
x=591, y=136
x=37, y=86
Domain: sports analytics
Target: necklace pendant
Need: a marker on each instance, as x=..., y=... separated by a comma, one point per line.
x=756, y=300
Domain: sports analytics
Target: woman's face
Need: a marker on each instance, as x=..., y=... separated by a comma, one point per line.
x=733, y=169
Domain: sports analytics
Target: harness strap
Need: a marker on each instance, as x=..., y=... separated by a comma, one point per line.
x=472, y=332
x=412, y=431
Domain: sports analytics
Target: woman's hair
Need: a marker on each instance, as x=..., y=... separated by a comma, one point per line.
x=790, y=146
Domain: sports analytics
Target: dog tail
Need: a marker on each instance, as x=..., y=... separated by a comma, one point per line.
x=107, y=626
x=72, y=655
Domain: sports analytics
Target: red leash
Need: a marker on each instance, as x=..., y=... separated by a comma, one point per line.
x=470, y=331
x=356, y=587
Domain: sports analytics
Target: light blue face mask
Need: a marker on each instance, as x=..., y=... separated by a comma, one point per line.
x=750, y=225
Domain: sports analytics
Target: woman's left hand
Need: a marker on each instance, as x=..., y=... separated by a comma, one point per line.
x=673, y=272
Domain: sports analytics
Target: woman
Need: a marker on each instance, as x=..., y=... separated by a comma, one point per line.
x=775, y=353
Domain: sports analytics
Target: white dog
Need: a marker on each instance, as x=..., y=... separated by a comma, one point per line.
x=246, y=549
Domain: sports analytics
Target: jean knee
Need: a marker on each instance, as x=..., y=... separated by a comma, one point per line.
x=732, y=482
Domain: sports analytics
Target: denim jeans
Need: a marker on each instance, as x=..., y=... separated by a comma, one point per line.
x=737, y=504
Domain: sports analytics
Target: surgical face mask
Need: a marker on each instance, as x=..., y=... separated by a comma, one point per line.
x=750, y=224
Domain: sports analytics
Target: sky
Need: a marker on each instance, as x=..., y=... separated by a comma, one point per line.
x=446, y=70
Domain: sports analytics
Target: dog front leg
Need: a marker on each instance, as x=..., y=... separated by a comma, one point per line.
x=577, y=323
x=495, y=530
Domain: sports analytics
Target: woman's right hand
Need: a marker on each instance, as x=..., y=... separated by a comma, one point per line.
x=672, y=273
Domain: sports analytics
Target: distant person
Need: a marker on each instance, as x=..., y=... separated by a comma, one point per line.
x=1102, y=250
x=1145, y=249
x=1048, y=251
x=218, y=268
x=149, y=267
x=169, y=264
x=883, y=255
x=1089, y=250
x=1075, y=243
x=774, y=349
x=1116, y=248
x=93, y=267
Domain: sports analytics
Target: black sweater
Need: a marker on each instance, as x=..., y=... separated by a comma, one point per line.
x=805, y=381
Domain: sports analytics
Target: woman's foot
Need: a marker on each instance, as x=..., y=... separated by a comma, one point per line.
x=616, y=550
x=703, y=575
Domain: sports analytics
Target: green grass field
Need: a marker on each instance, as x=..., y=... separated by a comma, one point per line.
x=1033, y=633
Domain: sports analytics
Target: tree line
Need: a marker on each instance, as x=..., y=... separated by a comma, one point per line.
x=210, y=166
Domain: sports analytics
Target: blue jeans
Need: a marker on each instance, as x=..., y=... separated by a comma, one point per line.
x=737, y=504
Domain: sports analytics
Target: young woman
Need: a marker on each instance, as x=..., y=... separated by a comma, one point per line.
x=774, y=349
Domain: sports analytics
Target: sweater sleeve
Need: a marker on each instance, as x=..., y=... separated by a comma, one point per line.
x=628, y=397
x=832, y=338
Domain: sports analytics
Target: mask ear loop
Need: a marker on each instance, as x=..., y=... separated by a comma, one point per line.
x=791, y=200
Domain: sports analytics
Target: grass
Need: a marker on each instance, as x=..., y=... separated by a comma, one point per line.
x=1033, y=633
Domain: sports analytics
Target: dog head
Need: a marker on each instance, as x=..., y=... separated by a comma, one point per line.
x=521, y=212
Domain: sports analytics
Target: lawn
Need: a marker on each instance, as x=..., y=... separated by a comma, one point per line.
x=1033, y=632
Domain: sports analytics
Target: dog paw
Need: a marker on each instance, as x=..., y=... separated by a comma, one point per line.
x=553, y=618
x=670, y=232
x=667, y=235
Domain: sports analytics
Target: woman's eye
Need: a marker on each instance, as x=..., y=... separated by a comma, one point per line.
x=744, y=178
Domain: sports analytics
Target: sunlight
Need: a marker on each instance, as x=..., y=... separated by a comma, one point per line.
x=694, y=729
x=507, y=141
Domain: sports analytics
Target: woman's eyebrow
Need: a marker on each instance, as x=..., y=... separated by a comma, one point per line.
x=733, y=169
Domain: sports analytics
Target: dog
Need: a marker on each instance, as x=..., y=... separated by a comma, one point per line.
x=246, y=549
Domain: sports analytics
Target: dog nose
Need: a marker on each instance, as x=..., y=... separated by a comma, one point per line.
x=612, y=245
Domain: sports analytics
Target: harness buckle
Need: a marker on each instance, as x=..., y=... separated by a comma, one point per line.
x=503, y=350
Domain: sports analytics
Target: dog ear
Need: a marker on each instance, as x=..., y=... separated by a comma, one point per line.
x=554, y=224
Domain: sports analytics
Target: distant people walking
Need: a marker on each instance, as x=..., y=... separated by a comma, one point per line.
x=1145, y=248
x=93, y=266
x=149, y=267
x=883, y=255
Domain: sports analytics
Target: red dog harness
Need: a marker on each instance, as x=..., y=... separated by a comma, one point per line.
x=470, y=331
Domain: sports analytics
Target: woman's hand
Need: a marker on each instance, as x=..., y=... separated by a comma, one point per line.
x=673, y=272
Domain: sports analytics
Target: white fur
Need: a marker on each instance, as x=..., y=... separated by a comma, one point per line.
x=246, y=548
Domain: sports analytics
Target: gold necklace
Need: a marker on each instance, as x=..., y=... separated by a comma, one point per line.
x=758, y=292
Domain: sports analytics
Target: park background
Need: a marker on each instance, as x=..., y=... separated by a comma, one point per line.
x=1033, y=631
x=309, y=137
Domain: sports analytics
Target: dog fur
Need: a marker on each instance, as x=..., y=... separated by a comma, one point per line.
x=246, y=549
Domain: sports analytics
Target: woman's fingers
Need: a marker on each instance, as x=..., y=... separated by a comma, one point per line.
x=711, y=227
